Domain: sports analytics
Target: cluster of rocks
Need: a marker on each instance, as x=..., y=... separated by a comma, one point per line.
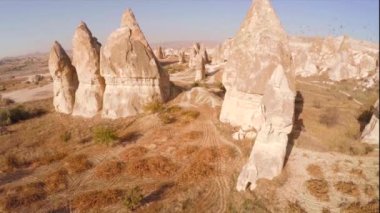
x=260, y=91
x=116, y=79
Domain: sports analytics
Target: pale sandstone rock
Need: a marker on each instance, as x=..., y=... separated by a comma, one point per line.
x=222, y=52
x=200, y=69
x=132, y=74
x=258, y=48
x=197, y=97
x=160, y=53
x=268, y=153
x=89, y=95
x=129, y=20
x=204, y=54
x=371, y=132
x=65, y=80
x=181, y=57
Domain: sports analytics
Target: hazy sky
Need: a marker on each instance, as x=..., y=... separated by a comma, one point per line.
x=28, y=26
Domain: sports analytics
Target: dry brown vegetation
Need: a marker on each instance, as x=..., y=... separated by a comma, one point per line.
x=133, y=153
x=356, y=207
x=154, y=166
x=319, y=188
x=197, y=170
x=109, y=169
x=56, y=181
x=77, y=164
x=315, y=171
x=24, y=195
x=97, y=199
x=294, y=207
x=348, y=188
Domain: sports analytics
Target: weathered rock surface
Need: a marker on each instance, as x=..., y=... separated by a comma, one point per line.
x=65, y=80
x=222, y=52
x=200, y=69
x=268, y=153
x=371, y=132
x=198, y=96
x=257, y=50
x=160, y=53
x=204, y=54
x=89, y=95
x=132, y=74
x=339, y=58
x=181, y=57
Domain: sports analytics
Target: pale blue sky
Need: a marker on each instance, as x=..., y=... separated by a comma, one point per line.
x=28, y=26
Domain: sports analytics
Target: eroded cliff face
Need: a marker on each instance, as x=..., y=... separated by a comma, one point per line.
x=132, y=74
x=65, y=80
x=86, y=60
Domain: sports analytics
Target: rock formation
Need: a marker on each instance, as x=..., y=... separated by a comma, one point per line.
x=339, y=58
x=194, y=51
x=199, y=66
x=65, y=80
x=257, y=50
x=204, y=54
x=276, y=118
x=181, y=57
x=132, y=74
x=160, y=53
x=89, y=95
x=221, y=52
x=371, y=132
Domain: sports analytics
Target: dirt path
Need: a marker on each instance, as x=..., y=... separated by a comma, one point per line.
x=26, y=95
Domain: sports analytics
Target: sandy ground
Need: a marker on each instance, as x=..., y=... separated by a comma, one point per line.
x=26, y=95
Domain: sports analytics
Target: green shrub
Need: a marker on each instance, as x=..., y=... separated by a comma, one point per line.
x=104, y=135
x=133, y=198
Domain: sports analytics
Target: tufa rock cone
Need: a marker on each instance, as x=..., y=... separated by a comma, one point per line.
x=132, y=74
x=65, y=80
x=86, y=59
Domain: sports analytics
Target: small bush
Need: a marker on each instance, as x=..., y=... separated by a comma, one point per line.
x=133, y=198
x=154, y=107
x=319, y=188
x=57, y=181
x=104, y=135
x=15, y=114
x=24, y=195
x=6, y=101
x=66, y=136
x=190, y=115
x=195, y=84
x=329, y=117
x=97, y=199
x=13, y=161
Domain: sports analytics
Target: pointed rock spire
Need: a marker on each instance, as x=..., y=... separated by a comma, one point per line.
x=132, y=74
x=65, y=80
x=86, y=59
x=129, y=20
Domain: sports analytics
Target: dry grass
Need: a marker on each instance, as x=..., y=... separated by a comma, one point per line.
x=24, y=195
x=133, y=153
x=153, y=107
x=97, y=199
x=358, y=173
x=77, y=164
x=356, y=207
x=295, y=208
x=369, y=190
x=56, y=181
x=329, y=117
x=109, y=169
x=315, y=171
x=319, y=188
x=187, y=152
x=154, y=166
x=213, y=154
x=348, y=188
x=189, y=115
x=196, y=171
x=192, y=136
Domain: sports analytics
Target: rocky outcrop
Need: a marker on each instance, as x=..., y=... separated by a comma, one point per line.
x=222, y=52
x=132, y=74
x=200, y=69
x=260, y=47
x=338, y=58
x=371, y=132
x=181, y=57
x=86, y=53
x=204, y=54
x=275, y=122
x=160, y=53
x=65, y=80
x=194, y=51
